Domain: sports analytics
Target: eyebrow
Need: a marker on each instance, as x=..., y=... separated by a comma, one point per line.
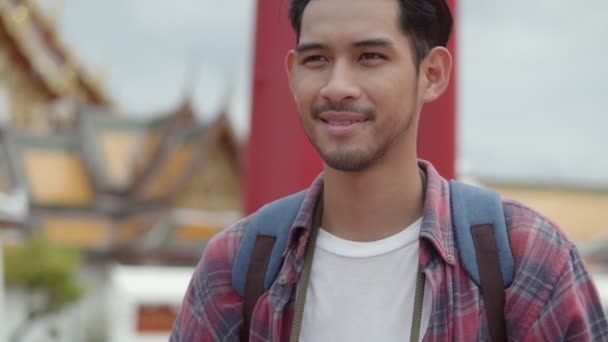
x=310, y=46
x=376, y=42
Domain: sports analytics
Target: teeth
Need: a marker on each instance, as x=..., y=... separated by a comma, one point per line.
x=341, y=123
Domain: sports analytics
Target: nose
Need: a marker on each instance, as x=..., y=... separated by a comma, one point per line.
x=341, y=84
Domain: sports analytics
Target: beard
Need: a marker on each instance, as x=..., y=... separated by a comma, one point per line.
x=354, y=160
x=362, y=158
x=344, y=160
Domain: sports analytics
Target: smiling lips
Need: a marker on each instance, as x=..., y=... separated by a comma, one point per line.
x=342, y=123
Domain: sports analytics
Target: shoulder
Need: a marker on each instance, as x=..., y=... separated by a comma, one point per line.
x=542, y=253
x=221, y=250
x=210, y=309
x=534, y=238
x=278, y=216
x=551, y=281
x=213, y=274
x=538, y=244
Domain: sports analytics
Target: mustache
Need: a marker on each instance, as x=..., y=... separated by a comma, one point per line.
x=369, y=113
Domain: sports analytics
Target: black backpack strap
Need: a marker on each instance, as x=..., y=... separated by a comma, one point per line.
x=483, y=245
x=492, y=288
x=254, y=284
x=260, y=255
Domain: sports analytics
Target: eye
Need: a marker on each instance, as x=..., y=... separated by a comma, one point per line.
x=314, y=59
x=370, y=56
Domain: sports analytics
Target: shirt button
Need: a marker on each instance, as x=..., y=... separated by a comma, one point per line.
x=450, y=258
x=282, y=280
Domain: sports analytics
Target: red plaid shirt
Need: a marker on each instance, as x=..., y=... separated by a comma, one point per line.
x=552, y=297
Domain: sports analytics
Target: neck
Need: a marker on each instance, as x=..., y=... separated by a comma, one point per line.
x=372, y=204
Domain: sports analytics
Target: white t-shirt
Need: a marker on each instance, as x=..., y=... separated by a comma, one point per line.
x=364, y=291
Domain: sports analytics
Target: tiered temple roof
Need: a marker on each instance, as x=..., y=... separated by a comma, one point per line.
x=128, y=187
x=36, y=47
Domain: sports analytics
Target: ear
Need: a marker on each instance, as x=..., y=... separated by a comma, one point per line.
x=290, y=61
x=435, y=72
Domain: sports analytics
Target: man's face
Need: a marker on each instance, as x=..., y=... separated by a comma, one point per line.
x=354, y=80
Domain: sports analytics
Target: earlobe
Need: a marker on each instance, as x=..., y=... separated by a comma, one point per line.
x=437, y=67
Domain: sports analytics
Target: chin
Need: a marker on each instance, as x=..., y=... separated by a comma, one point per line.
x=349, y=161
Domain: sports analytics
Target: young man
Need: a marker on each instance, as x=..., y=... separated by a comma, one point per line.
x=360, y=74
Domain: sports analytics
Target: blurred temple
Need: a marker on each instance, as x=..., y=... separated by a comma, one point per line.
x=123, y=191
x=40, y=79
x=132, y=189
x=127, y=192
x=136, y=190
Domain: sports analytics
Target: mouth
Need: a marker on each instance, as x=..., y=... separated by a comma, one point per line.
x=341, y=124
x=342, y=118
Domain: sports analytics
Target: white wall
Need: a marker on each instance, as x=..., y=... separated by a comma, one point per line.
x=131, y=286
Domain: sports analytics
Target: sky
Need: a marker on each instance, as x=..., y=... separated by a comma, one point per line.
x=533, y=82
x=531, y=75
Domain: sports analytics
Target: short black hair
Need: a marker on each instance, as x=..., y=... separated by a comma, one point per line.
x=426, y=23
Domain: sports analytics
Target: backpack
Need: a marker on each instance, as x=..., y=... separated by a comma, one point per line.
x=480, y=233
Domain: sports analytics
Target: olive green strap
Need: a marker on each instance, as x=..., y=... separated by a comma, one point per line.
x=418, y=300
x=305, y=275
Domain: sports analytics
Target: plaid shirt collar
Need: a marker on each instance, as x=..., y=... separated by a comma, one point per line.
x=436, y=221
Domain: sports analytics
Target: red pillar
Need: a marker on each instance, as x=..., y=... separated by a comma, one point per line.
x=436, y=133
x=279, y=159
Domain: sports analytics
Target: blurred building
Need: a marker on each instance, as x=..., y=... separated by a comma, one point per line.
x=578, y=211
x=40, y=79
x=133, y=189
x=126, y=191
x=88, y=177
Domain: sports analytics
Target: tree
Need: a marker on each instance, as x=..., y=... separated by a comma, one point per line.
x=47, y=274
